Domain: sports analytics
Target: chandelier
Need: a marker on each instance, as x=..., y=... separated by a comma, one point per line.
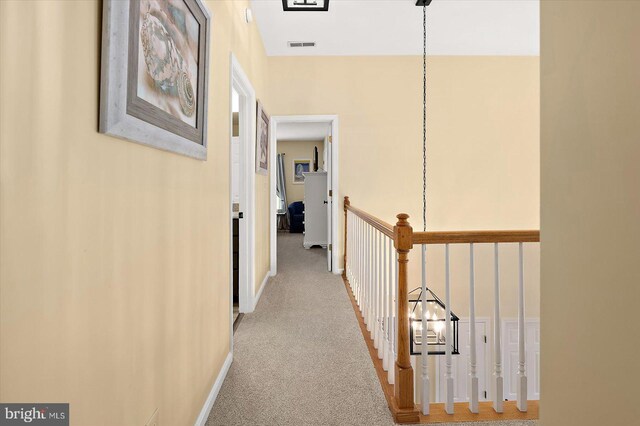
x=435, y=329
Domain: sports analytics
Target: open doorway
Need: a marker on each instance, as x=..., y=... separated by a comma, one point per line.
x=242, y=194
x=303, y=183
x=236, y=214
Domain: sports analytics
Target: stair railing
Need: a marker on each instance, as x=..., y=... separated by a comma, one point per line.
x=376, y=273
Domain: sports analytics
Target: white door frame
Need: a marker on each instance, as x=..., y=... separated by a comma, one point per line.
x=241, y=83
x=335, y=202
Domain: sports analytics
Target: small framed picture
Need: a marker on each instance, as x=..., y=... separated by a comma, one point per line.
x=300, y=167
x=262, y=141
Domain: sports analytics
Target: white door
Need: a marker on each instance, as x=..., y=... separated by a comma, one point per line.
x=532, y=358
x=460, y=364
x=315, y=199
x=327, y=144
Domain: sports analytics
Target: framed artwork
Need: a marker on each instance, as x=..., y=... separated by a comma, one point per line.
x=300, y=167
x=262, y=141
x=154, y=76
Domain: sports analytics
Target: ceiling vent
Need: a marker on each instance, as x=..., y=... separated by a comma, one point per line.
x=301, y=43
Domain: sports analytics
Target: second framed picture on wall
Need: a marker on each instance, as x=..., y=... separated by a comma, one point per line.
x=262, y=141
x=300, y=167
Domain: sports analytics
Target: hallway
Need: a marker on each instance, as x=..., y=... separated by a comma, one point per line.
x=299, y=358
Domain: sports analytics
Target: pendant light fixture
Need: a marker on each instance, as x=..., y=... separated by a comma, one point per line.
x=305, y=5
x=427, y=311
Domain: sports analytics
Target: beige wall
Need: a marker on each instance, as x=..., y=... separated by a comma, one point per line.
x=297, y=150
x=114, y=256
x=483, y=170
x=590, y=212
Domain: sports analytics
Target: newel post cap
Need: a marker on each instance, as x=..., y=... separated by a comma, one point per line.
x=403, y=232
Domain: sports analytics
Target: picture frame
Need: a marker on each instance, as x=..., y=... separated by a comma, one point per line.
x=155, y=73
x=262, y=140
x=300, y=166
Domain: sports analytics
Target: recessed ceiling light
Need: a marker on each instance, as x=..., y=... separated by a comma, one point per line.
x=305, y=5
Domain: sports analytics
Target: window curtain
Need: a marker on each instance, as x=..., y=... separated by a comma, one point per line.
x=281, y=193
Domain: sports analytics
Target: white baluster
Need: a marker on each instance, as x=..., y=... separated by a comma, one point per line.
x=373, y=283
x=349, y=234
x=426, y=384
x=395, y=306
x=360, y=263
x=359, y=280
x=378, y=295
x=354, y=255
x=350, y=254
x=392, y=357
x=376, y=288
x=365, y=273
x=448, y=377
x=349, y=247
x=369, y=279
x=356, y=267
x=382, y=299
x=385, y=305
x=363, y=308
x=498, y=397
x=522, y=377
x=363, y=246
x=374, y=293
x=473, y=377
x=379, y=324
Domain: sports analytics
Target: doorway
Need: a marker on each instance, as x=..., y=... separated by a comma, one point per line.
x=236, y=213
x=241, y=193
x=312, y=172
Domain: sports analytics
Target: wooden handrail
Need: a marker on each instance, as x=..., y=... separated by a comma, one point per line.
x=467, y=237
x=451, y=237
x=379, y=224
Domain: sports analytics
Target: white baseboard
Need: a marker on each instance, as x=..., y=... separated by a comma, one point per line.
x=215, y=389
x=338, y=271
x=262, y=286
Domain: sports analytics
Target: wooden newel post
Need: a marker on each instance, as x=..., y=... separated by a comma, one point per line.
x=403, y=234
x=347, y=203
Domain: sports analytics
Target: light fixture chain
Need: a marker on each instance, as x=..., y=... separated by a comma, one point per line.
x=424, y=118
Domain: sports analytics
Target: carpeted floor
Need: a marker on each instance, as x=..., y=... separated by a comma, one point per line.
x=299, y=358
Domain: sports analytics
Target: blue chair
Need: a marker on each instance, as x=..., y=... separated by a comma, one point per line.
x=296, y=217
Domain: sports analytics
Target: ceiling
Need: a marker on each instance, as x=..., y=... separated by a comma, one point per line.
x=394, y=27
x=302, y=131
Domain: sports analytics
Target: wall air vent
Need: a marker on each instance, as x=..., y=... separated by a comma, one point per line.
x=301, y=43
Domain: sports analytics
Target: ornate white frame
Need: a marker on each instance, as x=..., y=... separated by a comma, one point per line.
x=114, y=119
